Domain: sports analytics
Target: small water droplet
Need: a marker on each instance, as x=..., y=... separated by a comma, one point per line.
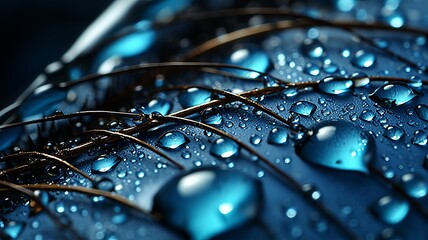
x=186, y=154
x=363, y=59
x=193, y=97
x=393, y=94
x=422, y=111
x=391, y=209
x=158, y=105
x=105, y=163
x=224, y=148
x=212, y=116
x=367, y=115
x=172, y=140
x=415, y=81
x=335, y=85
x=278, y=136
x=414, y=185
x=212, y=201
x=312, y=48
x=303, y=108
x=255, y=139
x=312, y=191
x=104, y=184
x=360, y=79
x=339, y=145
x=393, y=133
x=311, y=69
x=115, y=126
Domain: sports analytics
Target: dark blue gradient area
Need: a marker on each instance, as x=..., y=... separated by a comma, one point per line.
x=225, y=119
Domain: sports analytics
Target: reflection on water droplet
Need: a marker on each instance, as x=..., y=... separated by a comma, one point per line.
x=278, y=136
x=415, y=81
x=193, y=97
x=105, y=163
x=422, y=111
x=391, y=209
x=158, y=105
x=420, y=138
x=207, y=202
x=303, y=108
x=172, y=140
x=339, y=145
x=393, y=133
x=360, y=79
x=363, y=59
x=312, y=48
x=255, y=139
x=393, y=94
x=253, y=59
x=224, y=148
x=335, y=85
x=212, y=116
x=367, y=115
x=414, y=185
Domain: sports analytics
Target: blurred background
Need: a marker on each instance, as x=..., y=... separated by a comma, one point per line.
x=36, y=33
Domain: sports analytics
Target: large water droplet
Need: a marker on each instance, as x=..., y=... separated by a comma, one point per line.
x=339, y=145
x=105, y=163
x=278, y=136
x=393, y=133
x=335, y=85
x=212, y=116
x=172, y=140
x=367, y=115
x=393, y=94
x=420, y=138
x=363, y=59
x=193, y=97
x=224, y=148
x=303, y=108
x=158, y=105
x=414, y=185
x=391, y=209
x=249, y=58
x=312, y=48
x=422, y=111
x=208, y=202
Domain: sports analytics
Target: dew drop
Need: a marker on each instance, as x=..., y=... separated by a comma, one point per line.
x=224, y=148
x=158, y=105
x=363, y=59
x=105, y=163
x=208, y=202
x=415, y=81
x=367, y=115
x=422, y=111
x=338, y=145
x=414, y=185
x=420, y=138
x=303, y=108
x=254, y=59
x=335, y=85
x=115, y=126
x=360, y=79
x=311, y=69
x=393, y=94
x=329, y=68
x=278, y=136
x=393, y=133
x=193, y=97
x=212, y=116
x=312, y=48
x=172, y=140
x=391, y=209
x=255, y=139
x=104, y=184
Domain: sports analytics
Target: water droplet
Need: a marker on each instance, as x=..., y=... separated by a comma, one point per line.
x=172, y=140
x=335, y=85
x=105, y=163
x=391, y=209
x=360, y=79
x=278, y=136
x=212, y=116
x=104, y=184
x=255, y=139
x=339, y=145
x=115, y=126
x=329, y=68
x=193, y=97
x=253, y=59
x=158, y=105
x=393, y=133
x=212, y=201
x=311, y=69
x=312, y=191
x=312, y=48
x=303, y=108
x=415, y=81
x=395, y=20
x=393, y=94
x=367, y=115
x=13, y=229
x=224, y=148
x=414, y=185
x=422, y=111
x=363, y=59
x=420, y=138
x=186, y=154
